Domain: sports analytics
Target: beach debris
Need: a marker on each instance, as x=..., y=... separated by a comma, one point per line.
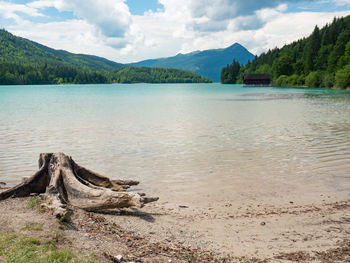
x=263, y=223
x=115, y=259
x=119, y=258
x=64, y=184
x=183, y=206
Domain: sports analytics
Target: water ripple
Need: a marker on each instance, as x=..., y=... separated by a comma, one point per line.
x=176, y=137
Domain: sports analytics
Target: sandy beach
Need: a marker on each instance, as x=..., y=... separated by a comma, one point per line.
x=179, y=231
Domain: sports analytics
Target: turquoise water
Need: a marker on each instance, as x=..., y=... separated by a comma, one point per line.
x=180, y=136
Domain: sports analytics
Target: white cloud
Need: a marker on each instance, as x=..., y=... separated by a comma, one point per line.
x=14, y=11
x=341, y=2
x=39, y=4
x=219, y=13
x=111, y=17
x=73, y=35
x=106, y=28
x=281, y=31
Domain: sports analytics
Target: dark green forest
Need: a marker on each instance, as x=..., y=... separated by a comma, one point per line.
x=25, y=62
x=157, y=75
x=19, y=74
x=320, y=60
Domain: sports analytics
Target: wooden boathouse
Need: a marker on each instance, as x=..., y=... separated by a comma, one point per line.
x=257, y=79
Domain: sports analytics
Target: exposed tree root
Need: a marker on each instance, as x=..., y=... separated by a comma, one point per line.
x=64, y=183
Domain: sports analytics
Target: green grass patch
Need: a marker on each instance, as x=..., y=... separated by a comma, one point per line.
x=28, y=249
x=34, y=201
x=34, y=227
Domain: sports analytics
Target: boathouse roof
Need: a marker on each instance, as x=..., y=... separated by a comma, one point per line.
x=257, y=76
x=257, y=79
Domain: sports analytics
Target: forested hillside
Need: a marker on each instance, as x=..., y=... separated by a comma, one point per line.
x=25, y=62
x=320, y=60
x=19, y=50
x=157, y=75
x=23, y=74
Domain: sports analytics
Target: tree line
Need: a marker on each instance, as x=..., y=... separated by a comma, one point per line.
x=320, y=60
x=157, y=75
x=16, y=74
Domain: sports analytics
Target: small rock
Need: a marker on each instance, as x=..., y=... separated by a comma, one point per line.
x=116, y=259
x=183, y=206
x=119, y=257
x=291, y=202
x=262, y=223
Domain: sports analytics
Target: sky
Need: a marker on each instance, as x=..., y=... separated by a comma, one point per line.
x=133, y=30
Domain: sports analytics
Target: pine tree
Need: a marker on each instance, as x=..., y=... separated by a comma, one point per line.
x=311, y=50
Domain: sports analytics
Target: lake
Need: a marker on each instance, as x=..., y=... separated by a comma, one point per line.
x=196, y=143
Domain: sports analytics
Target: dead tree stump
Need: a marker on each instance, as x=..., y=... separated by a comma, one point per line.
x=64, y=183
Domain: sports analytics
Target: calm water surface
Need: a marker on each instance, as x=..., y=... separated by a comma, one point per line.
x=180, y=137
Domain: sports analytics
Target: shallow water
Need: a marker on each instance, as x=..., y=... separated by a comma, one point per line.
x=176, y=138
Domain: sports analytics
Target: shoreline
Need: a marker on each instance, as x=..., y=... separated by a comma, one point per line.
x=168, y=232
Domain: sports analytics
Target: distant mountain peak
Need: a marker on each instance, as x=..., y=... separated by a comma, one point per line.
x=207, y=63
x=235, y=46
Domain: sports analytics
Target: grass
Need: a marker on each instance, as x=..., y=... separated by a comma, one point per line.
x=28, y=249
x=34, y=201
x=33, y=227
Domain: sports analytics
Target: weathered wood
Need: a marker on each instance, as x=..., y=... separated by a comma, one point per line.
x=65, y=183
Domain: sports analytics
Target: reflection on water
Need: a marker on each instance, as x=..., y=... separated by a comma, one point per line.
x=181, y=136
x=273, y=96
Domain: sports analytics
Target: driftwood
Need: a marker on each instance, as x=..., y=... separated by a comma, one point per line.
x=64, y=183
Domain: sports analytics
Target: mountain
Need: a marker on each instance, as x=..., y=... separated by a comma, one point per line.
x=207, y=63
x=23, y=61
x=15, y=49
x=320, y=60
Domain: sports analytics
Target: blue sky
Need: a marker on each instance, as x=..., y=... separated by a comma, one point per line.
x=138, y=7
x=132, y=30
